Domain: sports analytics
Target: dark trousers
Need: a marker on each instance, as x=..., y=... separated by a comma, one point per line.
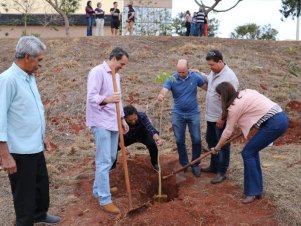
x=30, y=188
x=188, y=26
x=219, y=162
x=148, y=141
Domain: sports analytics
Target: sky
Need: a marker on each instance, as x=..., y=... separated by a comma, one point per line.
x=261, y=12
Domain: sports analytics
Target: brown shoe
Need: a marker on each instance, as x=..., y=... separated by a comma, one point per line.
x=111, y=208
x=207, y=170
x=113, y=190
x=249, y=199
x=218, y=179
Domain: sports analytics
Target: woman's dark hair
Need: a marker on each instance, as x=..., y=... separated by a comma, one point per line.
x=130, y=6
x=88, y=3
x=118, y=53
x=228, y=95
x=129, y=110
x=187, y=12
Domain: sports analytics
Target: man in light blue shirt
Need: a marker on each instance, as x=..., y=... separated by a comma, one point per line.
x=186, y=111
x=22, y=135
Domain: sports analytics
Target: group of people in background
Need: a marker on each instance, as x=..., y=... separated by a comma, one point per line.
x=99, y=16
x=196, y=25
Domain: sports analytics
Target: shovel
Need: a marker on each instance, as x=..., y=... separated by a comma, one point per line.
x=123, y=151
x=199, y=158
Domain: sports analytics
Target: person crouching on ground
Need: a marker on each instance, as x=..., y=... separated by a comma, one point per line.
x=141, y=130
x=249, y=108
x=101, y=117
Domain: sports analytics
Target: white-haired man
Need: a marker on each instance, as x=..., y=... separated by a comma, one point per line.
x=22, y=135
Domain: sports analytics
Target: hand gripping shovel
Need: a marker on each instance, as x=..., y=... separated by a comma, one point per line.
x=123, y=151
x=199, y=158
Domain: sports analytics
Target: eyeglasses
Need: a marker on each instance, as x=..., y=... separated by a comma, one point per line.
x=211, y=53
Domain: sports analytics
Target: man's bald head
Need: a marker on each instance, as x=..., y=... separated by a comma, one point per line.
x=182, y=68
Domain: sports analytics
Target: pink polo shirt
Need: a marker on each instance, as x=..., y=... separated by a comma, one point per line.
x=246, y=110
x=99, y=86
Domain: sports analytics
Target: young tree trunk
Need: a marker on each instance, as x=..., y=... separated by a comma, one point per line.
x=62, y=13
x=298, y=28
x=67, y=26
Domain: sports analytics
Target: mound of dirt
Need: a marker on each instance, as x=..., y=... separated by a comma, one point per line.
x=191, y=201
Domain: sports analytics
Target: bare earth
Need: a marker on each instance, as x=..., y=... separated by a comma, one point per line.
x=259, y=65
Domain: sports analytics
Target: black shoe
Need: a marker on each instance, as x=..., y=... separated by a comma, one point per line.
x=207, y=170
x=49, y=220
x=196, y=171
x=156, y=168
x=218, y=179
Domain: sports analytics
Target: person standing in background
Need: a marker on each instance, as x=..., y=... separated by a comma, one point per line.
x=115, y=21
x=206, y=25
x=100, y=15
x=131, y=19
x=200, y=19
x=187, y=22
x=89, y=17
x=194, y=25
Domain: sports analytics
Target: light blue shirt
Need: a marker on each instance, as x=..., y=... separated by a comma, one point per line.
x=22, y=121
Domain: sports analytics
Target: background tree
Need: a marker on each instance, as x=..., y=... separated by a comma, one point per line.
x=3, y=6
x=213, y=27
x=178, y=24
x=207, y=9
x=65, y=8
x=292, y=8
x=25, y=7
x=254, y=31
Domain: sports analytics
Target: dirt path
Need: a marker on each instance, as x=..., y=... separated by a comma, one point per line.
x=193, y=201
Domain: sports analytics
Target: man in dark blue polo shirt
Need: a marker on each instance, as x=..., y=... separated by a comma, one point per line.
x=142, y=131
x=185, y=110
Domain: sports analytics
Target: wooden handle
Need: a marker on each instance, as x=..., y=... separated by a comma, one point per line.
x=199, y=158
x=121, y=142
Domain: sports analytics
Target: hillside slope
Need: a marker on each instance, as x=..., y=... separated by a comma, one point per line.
x=259, y=65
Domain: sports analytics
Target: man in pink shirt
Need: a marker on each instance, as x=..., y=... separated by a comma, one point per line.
x=101, y=117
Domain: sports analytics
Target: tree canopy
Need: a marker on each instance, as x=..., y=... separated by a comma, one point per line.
x=254, y=31
x=290, y=8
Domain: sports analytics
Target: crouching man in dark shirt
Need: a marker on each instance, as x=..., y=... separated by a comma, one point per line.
x=141, y=130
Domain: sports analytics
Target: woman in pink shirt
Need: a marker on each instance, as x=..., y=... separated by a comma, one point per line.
x=249, y=108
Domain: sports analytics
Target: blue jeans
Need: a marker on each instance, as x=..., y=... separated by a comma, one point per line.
x=269, y=131
x=179, y=123
x=219, y=162
x=89, y=25
x=106, y=151
x=200, y=28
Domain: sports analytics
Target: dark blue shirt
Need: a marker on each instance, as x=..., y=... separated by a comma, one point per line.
x=184, y=92
x=99, y=16
x=141, y=128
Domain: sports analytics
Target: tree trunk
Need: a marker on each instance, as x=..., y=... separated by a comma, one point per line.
x=62, y=13
x=298, y=28
x=66, y=21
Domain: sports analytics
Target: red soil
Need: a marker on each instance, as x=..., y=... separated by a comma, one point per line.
x=192, y=201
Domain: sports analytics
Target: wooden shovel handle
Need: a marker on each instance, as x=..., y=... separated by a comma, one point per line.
x=199, y=158
x=121, y=142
